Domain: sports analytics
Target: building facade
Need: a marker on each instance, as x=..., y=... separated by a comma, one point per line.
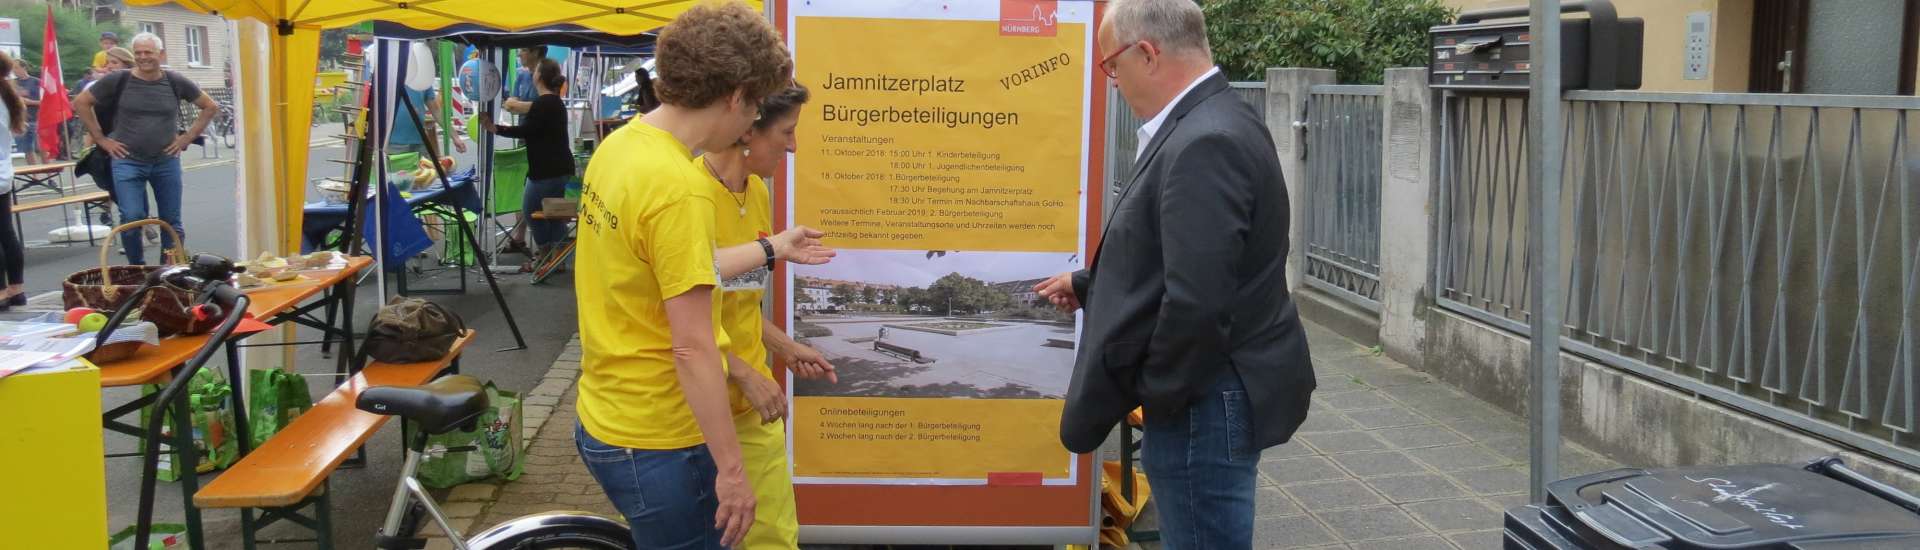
x=821, y=299
x=196, y=43
x=1850, y=47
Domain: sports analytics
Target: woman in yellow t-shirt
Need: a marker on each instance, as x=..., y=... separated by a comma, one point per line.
x=759, y=405
x=655, y=428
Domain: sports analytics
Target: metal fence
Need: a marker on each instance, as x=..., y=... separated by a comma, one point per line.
x=1342, y=229
x=1757, y=250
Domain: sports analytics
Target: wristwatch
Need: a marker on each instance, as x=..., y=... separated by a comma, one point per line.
x=766, y=246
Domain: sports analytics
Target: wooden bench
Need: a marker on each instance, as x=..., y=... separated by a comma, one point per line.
x=289, y=472
x=87, y=202
x=900, y=351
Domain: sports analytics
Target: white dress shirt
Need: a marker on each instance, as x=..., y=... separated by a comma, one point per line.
x=1152, y=126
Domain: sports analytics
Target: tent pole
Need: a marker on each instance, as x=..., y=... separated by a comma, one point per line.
x=460, y=219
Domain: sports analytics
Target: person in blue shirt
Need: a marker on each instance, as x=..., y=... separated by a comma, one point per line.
x=29, y=86
x=405, y=136
x=523, y=92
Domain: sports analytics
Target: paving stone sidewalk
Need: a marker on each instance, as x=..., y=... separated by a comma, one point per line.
x=1388, y=459
x=1391, y=459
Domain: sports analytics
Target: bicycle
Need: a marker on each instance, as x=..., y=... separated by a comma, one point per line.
x=455, y=402
x=223, y=126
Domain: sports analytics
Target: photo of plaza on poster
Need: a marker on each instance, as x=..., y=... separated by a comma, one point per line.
x=936, y=324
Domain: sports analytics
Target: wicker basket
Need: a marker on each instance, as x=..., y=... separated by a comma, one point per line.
x=114, y=352
x=105, y=288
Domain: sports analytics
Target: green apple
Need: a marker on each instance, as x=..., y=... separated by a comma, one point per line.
x=93, y=322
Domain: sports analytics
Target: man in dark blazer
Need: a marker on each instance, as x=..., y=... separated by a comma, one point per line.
x=1187, y=309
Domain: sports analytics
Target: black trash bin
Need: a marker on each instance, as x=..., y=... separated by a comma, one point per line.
x=1821, y=506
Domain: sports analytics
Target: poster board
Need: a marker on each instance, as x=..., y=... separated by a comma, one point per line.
x=948, y=149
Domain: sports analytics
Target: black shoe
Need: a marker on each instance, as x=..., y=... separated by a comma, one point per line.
x=17, y=300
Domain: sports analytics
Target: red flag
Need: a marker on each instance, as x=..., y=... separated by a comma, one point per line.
x=54, y=108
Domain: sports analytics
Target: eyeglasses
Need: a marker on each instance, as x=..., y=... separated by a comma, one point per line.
x=1106, y=65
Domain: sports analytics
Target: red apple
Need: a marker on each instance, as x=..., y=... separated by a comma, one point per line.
x=74, y=315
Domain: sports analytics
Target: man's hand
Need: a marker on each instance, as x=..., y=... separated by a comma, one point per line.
x=808, y=363
x=459, y=145
x=113, y=147
x=763, y=393
x=801, y=245
x=736, y=506
x=179, y=144
x=1059, y=290
x=486, y=122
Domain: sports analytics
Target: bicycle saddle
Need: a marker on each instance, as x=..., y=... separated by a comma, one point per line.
x=438, y=407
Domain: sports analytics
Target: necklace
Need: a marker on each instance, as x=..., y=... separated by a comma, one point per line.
x=739, y=199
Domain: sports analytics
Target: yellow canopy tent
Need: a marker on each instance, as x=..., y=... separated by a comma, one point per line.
x=292, y=51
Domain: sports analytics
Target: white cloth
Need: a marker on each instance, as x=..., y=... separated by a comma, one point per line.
x=6, y=148
x=1152, y=126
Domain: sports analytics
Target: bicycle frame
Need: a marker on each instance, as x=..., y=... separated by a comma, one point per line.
x=508, y=534
x=409, y=489
x=218, y=294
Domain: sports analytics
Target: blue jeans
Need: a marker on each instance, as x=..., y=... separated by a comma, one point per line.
x=130, y=181
x=666, y=496
x=1202, y=466
x=545, y=232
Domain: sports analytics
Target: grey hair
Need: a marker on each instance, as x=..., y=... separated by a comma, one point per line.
x=148, y=37
x=1175, y=26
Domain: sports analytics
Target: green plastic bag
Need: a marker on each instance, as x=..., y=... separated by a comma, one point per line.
x=455, y=249
x=213, y=437
x=163, y=536
x=278, y=397
x=491, y=449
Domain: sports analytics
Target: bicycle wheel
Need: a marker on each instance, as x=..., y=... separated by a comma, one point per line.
x=224, y=130
x=555, y=531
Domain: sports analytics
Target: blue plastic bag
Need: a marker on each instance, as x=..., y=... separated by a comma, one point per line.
x=402, y=238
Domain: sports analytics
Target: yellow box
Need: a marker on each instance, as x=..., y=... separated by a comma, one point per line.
x=51, y=459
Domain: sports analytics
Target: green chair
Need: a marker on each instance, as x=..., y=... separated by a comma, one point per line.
x=509, y=179
x=509, y=183
x=403, y=161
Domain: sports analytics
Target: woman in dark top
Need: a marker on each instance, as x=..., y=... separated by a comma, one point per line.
x=549, y=153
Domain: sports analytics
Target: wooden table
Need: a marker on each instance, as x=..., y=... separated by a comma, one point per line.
x=273, y=304
x=40, y=175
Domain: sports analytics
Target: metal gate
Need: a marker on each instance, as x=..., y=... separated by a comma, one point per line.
x=1342, y=228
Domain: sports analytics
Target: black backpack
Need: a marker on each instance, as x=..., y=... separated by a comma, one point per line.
x=97, y=163
x=411, y=330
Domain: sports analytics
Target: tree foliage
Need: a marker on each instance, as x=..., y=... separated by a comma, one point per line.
x=956, y=293
x=1357, y=38
x=79, y=37
x=333, y=47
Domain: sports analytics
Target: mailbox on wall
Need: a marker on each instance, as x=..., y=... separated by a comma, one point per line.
x=1488, y=50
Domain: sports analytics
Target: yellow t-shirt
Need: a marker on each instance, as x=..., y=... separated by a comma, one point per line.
x=645, y=235
x=739, y=218
x=100, y=59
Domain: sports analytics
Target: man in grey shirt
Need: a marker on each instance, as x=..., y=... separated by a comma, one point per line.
x=142, y=110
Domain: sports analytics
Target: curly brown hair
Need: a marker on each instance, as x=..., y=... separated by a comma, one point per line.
x=716, y=48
